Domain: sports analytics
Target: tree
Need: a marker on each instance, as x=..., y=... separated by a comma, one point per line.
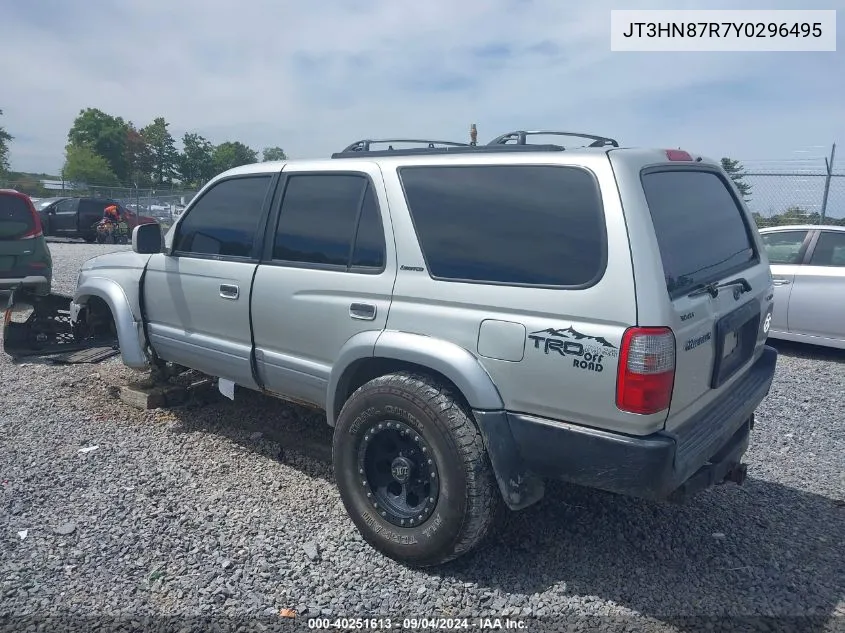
x=5, y=139
x=274, y=153
x=139, y=156
x=196, y=162
x=106, y=136
x=163, y=150
x=84, y=165
x=233, y=154
x=737, y=173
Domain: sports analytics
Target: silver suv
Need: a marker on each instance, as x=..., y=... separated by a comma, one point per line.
x=474, y=320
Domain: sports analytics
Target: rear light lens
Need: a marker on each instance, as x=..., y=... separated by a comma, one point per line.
x=36, y=230
x=678, y=154
x=646, y=370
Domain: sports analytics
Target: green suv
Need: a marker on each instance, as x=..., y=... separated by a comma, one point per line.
x=24, y=256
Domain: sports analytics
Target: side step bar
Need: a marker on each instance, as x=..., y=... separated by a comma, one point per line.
x=46, y=331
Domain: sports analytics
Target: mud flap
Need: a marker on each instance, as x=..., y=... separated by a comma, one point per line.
x=48, y=329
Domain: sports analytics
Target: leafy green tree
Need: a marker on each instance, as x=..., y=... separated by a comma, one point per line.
x=163, y=150
x=233, y=154
x=84, y=165
x=737, y=173
x=106, y=136
x=195, y=164
x=274, y=153
x=139, y=156
x=5, y=139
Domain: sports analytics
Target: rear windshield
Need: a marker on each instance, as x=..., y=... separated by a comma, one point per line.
x=701, y=230
x=15, y=217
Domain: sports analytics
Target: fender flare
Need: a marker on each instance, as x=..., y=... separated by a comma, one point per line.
x=128, y=325
x=451, y=360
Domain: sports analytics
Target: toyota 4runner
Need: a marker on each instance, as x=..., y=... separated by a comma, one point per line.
x=474, y=320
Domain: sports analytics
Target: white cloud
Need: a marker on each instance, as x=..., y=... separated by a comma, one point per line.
x=314, y=77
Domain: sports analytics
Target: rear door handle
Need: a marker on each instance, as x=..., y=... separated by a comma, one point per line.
x=364, y=311
x=229, y=291
x=780, y=282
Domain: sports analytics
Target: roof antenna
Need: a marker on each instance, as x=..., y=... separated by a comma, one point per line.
x=473, y=135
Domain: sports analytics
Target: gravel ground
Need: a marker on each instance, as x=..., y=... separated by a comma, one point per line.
x=216, y=510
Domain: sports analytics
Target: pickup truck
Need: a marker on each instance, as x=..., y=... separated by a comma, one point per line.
x=77, y=217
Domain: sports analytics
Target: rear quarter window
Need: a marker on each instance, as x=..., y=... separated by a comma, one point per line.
x=15, y=217
x=508, y=224
x=700, y=227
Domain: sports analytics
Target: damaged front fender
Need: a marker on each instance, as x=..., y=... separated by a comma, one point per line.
x=124, y=312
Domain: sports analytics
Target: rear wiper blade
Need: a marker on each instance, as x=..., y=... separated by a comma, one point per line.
x=713, y=288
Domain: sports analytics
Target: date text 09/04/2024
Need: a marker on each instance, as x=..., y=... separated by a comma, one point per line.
x=411, y=624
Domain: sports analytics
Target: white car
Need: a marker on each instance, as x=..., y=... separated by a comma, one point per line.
x=808, y=268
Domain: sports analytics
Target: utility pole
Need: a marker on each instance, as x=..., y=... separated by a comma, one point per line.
x=829, y=166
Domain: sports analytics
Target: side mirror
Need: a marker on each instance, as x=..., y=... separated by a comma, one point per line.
x=147, y=239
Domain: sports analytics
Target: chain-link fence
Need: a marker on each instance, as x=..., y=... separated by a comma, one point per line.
x=162, y=203
x=811, y=197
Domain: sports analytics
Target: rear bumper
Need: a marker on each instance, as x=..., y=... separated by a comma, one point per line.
x=39, y=284
x=705, y=451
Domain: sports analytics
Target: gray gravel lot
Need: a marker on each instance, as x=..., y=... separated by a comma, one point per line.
x=215, y=510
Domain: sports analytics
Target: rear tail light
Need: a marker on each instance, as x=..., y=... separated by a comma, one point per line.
x=678, y=154
x=36, y=230
x=646, y=370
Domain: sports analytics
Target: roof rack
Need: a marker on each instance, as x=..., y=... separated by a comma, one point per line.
x=364, y=145
x=361, y=148
x=520, y=137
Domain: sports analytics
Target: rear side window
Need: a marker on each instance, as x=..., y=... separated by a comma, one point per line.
x=15, y=217
x=508, y=224
x=830, y=250
x=93, y=206
x=700, y=228
x=330, y=219
x=784, y=247
x=224, y=221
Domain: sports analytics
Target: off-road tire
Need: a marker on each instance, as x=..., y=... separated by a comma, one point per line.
x=468, y=498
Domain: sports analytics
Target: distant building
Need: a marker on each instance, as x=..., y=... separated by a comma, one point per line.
x=59, y=185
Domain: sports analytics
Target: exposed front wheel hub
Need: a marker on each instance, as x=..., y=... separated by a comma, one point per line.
x=401, y=469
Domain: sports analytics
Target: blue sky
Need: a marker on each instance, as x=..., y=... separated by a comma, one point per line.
x=313, y=77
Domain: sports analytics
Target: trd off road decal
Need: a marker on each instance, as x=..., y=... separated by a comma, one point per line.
x=587, y=352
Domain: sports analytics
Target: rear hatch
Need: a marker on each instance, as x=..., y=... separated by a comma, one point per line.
x=17, y=227
x=716, y=277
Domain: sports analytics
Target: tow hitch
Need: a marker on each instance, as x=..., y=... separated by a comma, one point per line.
x=737, y=474
x=47, y=330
